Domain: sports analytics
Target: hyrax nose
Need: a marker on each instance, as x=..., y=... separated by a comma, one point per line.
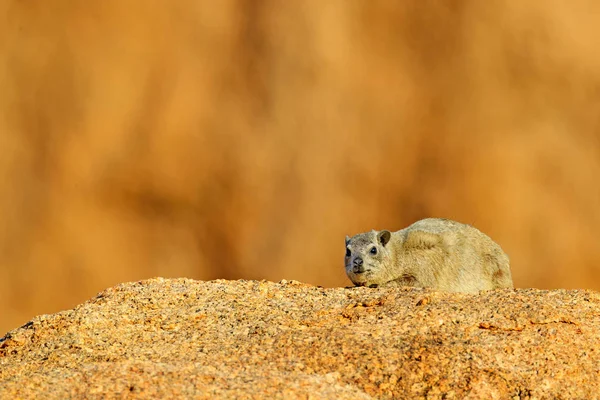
x=358, y=267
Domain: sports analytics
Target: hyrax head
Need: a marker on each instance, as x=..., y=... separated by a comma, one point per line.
x=366, y=257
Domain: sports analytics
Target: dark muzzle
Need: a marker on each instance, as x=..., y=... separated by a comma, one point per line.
x=357, y=266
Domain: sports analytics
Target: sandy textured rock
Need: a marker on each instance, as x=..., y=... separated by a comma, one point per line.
x=222, y=339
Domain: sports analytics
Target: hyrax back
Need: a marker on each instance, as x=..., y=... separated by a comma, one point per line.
x=434, y=253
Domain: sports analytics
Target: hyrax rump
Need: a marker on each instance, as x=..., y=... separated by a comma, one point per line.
x=434, y=253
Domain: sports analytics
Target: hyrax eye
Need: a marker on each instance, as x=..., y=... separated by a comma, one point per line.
x=348, y=253
x=373, y=250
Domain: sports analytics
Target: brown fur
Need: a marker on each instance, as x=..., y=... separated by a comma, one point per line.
x=435, y=253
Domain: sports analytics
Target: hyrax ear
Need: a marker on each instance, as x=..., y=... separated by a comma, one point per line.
x=347, y=240
x=384, y=237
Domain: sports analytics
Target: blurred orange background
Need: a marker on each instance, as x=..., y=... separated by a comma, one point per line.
x=245, y=139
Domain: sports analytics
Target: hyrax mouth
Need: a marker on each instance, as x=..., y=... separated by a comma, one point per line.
x=360, y=279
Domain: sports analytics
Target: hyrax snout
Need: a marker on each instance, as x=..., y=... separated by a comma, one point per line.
x=435, y=253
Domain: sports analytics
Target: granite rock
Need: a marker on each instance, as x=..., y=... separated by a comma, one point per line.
x=165, y=338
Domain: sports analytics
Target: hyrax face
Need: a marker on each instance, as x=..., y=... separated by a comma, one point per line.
x=366, y=256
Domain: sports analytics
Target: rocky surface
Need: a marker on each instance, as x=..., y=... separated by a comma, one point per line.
x=249, y=339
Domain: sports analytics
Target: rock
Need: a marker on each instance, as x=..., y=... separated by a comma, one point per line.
x=165, y=338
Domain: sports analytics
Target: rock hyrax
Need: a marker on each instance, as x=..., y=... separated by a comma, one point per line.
x=434, y=253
